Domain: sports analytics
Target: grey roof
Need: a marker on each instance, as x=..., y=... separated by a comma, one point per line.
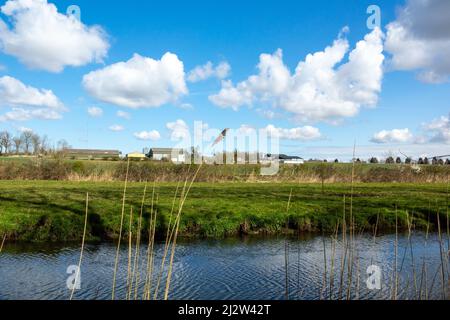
x=284, y=157
x=166, y=150
x=92, y=151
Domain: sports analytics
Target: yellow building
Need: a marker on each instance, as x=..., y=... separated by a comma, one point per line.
x=136, y=156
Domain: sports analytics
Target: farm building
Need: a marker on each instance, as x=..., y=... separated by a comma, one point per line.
x=167, y=154
x=91, y=154
x=285, y=159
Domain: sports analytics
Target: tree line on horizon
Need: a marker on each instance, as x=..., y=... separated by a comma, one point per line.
x=28, y=143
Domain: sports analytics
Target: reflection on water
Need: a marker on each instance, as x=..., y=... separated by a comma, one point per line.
x=250, y=268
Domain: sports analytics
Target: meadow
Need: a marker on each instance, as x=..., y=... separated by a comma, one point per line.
x=55, y=210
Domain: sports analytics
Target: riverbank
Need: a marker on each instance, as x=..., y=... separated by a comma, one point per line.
x=54, y=210
x=139, y=171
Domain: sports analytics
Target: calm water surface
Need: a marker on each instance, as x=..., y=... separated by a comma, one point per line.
x=250, y=268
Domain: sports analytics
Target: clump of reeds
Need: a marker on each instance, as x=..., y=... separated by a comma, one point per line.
x=134, y=280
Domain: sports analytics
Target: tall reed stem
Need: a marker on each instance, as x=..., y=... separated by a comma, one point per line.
x=130, y=255
x=135, y=274
x=177, y=224
x=116, y=262
x=3, y=242
x=77, y=274
x=286, y=250
x=166, y=244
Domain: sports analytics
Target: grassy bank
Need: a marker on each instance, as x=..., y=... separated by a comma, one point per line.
x=54, y=210
x=106, y=171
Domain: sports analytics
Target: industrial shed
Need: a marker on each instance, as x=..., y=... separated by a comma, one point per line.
x=91, y=154
x=167, y=154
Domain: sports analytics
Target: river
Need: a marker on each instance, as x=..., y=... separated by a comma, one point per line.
x=240, y=268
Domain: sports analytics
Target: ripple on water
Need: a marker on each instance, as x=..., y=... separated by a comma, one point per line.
x=228, y=269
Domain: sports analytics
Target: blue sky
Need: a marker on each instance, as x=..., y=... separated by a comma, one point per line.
x=237, y=33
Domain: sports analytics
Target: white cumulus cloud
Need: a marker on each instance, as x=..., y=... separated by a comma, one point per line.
x=95, y=112
x=392, y=136
x=179, y=130
x=27, y=103
x=419, y=39
x=306, y=133
x=438, y=130
x=148, y=135
x=322, y=87
x=42, y=38
x=208, y=70
x=123, y=114
x=116, y=128
x=138, y=82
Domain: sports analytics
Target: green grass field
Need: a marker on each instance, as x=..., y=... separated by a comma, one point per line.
x=54, y=210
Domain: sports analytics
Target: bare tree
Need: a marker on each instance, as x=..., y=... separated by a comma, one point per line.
x=36, y=142
x=62, y=145
x=5, y=141
x=26, y=138
x=44, y=145
x=17, y=144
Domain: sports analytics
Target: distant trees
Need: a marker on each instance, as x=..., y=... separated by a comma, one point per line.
x=5, y=142
x=36, y=143
x=17, y=141
x=390, y=160
x=408, y=160
x=398, y=160
x=27, y=142
x=373, y=160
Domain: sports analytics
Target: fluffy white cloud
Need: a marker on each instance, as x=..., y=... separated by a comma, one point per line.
x=267, y=113
x=27, y=102
x=438, y=130
x=14, y=93
x=116, y=128
x=24, y=129
x=123, y=114
x=322, y=86
x=206, y=71
x=25, y=114
x=179, y=130
x=186, y=106
x=419, y=39
x=395, y=135
x=138, y=82
x=306, y=133
x=148, y=135
x=42, y=38
x=95, y=112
